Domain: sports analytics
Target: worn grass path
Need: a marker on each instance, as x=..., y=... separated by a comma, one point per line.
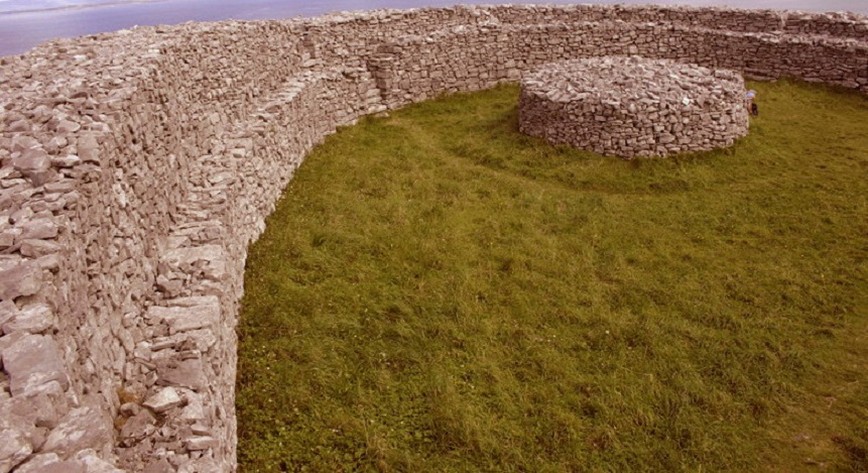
x=436, y=292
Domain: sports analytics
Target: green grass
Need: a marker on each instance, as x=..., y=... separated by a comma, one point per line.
x=436, y=292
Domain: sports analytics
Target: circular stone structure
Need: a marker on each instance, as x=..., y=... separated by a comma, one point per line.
x=632, y=106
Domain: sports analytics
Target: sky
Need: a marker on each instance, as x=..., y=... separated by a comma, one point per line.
x=26, y=23
x=7, y=6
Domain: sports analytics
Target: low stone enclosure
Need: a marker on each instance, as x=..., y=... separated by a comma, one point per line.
x=137, y=167
x=633, y=106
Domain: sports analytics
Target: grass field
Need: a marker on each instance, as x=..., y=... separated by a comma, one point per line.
x=438, y=293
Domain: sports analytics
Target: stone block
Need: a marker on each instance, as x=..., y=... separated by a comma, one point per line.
x=43, y=406
x=200, y=443
x=14, y=448
x=136, y=428
x=82, y=428
x=184, y=373
x=210, y=260
x=94, y=464
x=38, y=248
x=23, y=279
x=32, y=361
x=32, y=161
x=187, y=313
x=51, y=463
x=34, y=318
x=164, y=400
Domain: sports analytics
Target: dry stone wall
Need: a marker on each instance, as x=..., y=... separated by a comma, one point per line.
x=632, y=106
x=136, y=167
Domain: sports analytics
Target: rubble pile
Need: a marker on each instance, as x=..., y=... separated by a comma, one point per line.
x=632, y=106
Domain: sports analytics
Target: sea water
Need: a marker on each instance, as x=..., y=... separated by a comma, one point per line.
x=26, y=23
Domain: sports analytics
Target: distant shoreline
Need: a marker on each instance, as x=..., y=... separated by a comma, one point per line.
x=87, y=6
x=22, y=30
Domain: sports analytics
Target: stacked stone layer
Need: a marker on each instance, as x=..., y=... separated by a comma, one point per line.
x=137, y=166
x=632, y=106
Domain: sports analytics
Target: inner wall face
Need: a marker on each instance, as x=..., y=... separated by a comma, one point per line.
x=632, y=106
x=137, y=166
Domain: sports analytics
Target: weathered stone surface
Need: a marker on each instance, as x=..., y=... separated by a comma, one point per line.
x=188, y=313
x=633, y=106
x=185, y=373
x=194, y=410
x=200, y=443
x=201, y=464
x=94, y=464
x=43, y=406
x=24, y=279
x=210, y=260
x=138, y=427
x=82, y=428
x=66, y=127
x=14, y=448
x=159, y=466
x=202, y=340
x=42, y=228
x=32, y=361
x=8, y=310
x=88, y=149
x=39, y=248
x=35, y=318
x=164, y=399
x=51, y=463
x=32, y=161
x=67, y=161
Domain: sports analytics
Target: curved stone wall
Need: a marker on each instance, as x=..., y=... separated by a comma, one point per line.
x=632, y=106
x=137, y=166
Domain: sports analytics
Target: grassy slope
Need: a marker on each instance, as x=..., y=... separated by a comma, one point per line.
x=436, y=292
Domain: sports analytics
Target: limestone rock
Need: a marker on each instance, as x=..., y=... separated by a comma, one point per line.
x=200, y=443
x=51, y=463
x=200, y=464
x=164, y=400
x=32, y=361
x=159, y=466
x=14, y=448
x=8, y=310
x=42, y=228
x=185, y=373
x=138, y=427
x=187, y=313
x=32, y=161
x=38, y=248
x=194, y=410
x=67, y=161
x=84, y=427
x=88, y=149
x=24, y=279
x=43, y=406
x=633, y=106
x=210, y=260
x=94, y=464
x=36, y=318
